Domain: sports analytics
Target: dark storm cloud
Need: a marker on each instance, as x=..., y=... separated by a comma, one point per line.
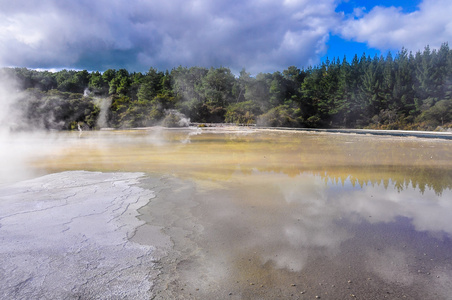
x=259, y=35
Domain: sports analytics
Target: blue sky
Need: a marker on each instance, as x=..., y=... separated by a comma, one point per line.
x=407, y=6
x=340, y=47
x=259, y=35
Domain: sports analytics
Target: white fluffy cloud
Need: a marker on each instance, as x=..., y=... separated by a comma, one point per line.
x=391, y=28
x=260, y=35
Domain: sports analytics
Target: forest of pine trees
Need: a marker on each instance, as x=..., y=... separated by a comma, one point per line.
x=405, y=91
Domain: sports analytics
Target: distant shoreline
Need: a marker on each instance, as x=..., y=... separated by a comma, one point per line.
x=402, y=133
x=228, y=126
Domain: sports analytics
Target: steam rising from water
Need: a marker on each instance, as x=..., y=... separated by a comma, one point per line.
x=18, y=148
x=182, y=120
x=13, y=150
x=8, y=97
x=104, y=105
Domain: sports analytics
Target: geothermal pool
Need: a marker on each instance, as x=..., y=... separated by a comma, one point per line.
x=226, y=213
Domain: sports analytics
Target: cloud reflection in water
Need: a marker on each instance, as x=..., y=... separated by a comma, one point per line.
x=308, y=220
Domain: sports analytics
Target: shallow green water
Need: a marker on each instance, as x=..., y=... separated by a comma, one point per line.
x=289, y=214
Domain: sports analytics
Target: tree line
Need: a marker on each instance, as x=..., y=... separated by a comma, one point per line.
x=407, y=91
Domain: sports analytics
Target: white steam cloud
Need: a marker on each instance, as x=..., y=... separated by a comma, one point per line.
x=20, y=140
x=104, y=105
x=15, y=149
x=8, y=98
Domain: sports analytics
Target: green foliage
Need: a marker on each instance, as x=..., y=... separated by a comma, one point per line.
x=217, y=87
x=281, y=116
x=258, y=90
x=150, y=86
x=97, y=84
x=411, y=91
x=242, y=113
x=55, y=110
x=437, y=115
